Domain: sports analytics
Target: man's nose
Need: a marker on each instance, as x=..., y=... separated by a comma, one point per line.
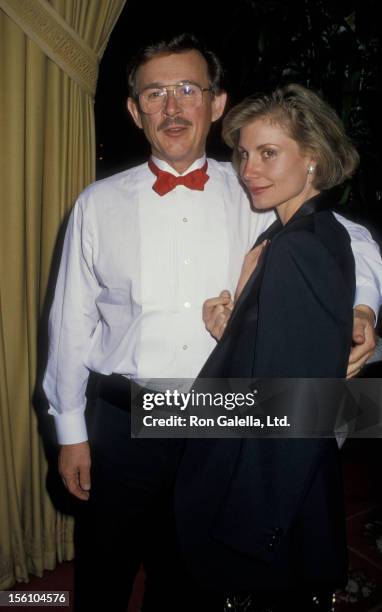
x=171, y=105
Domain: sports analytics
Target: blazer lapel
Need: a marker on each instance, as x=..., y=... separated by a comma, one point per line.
x=317, y=203
x=256, y=276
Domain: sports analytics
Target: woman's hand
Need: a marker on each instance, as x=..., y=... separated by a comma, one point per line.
x=216, y=312
x=249, y=264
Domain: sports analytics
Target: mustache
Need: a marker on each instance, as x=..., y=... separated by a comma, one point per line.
x=169, y=122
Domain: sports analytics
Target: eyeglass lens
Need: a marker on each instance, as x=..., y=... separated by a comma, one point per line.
x=186, y=94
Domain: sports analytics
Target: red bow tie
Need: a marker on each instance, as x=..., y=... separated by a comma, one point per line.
x=166, y=181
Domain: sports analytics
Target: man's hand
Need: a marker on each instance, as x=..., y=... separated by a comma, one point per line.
x=216, y=312
x=363, y=338
x=74, y=468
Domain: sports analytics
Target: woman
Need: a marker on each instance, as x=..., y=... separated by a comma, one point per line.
x=262, y=519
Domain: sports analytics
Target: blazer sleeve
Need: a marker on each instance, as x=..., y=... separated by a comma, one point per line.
x=305, y=309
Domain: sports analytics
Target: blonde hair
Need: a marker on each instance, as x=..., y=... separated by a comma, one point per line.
x=309, y=120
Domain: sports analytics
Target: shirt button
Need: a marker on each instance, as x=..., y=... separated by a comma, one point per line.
x=187, y=305
x=185, y=347
x=185, y=220
x=188, y=260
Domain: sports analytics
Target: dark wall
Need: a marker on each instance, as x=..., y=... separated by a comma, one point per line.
x=335, y=49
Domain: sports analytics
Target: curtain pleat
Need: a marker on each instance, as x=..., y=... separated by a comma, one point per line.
x=47, y=157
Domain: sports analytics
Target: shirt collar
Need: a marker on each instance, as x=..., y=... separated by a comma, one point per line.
x=162, y=165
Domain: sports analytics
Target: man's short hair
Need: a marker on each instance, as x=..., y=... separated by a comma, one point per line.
x=178, y=44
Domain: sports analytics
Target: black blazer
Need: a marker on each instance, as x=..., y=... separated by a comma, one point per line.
x=261, y=514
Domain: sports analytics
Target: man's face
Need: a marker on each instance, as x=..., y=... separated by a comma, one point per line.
x=177, y=135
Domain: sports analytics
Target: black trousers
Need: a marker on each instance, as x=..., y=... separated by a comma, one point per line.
x=129, y=520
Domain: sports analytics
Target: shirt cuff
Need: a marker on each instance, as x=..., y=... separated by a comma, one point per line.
x=70, y=426
x=370, y=297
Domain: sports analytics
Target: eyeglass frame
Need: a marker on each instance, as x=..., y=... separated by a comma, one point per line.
x=166, y=88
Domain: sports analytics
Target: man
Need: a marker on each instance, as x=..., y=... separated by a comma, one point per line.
x=143, y=250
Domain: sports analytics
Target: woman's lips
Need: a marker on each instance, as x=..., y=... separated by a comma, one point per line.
x=258, y=190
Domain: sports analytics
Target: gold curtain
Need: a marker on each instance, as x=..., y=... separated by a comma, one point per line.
x=47, y=157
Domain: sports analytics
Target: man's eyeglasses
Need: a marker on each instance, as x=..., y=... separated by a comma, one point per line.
x=187, y=95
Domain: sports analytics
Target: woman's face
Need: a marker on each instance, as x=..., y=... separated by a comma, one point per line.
x=274, y=169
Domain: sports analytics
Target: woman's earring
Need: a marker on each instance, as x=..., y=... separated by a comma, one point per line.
x=311, y=169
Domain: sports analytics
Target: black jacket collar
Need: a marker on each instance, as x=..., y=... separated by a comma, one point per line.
x=318, y=203
x=302, y=219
